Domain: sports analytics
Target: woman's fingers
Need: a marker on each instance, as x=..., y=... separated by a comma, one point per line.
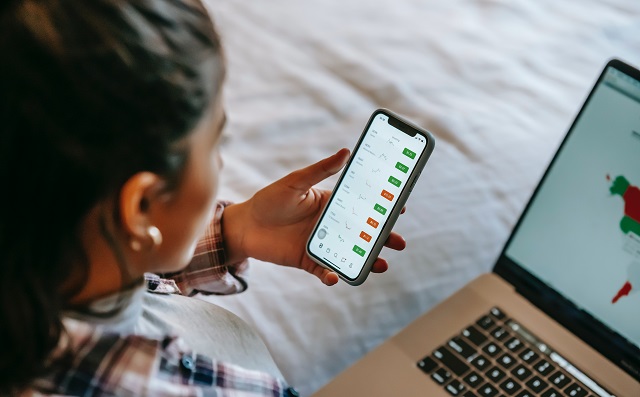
x=380, y=266
x=395, y=242
x=305, y=178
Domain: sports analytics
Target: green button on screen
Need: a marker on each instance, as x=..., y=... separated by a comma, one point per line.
x=358, y=250
x=402, y=167
x=409, y=153
x=394, y=181
x=380, y=209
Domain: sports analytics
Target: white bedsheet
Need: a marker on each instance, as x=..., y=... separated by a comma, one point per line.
x=498, y=83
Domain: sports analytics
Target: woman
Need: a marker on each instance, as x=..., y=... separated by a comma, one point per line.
x=111, y=122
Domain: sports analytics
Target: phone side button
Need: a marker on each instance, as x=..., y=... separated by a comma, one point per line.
x=413, y=183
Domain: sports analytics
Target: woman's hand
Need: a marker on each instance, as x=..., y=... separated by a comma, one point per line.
x=275, y=224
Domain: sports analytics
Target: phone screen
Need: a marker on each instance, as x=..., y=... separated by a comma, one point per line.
x=365, y=196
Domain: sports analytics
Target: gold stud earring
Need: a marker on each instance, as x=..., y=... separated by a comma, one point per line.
x=155, y=235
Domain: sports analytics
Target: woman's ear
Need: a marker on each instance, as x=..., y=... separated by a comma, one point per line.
x=137, y=195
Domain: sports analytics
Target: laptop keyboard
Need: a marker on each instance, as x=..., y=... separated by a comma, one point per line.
x=488, y=359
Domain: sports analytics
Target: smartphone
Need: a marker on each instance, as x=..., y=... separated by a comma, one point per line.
x=369, y=196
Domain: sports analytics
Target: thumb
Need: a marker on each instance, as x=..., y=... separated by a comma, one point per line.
x=305, y=178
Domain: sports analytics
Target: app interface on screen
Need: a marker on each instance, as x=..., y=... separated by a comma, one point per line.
x=368, y=192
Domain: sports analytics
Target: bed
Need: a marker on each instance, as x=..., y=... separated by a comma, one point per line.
x=496, y=81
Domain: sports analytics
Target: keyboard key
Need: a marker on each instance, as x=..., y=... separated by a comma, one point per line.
x=485, y=322
x=514, y=344
x=506, y=361
x=475, y=336
x=491, y=349
x=461, y=347
x=474, y=379
x=486, y=353
x=497, y=313
x=499, y=333
x=559, y=379
x=551, y=392
x=529, y=356
x=521, y=372
x=495, y=374
x=536, y=384
x=487, y=390
x=427, y=365
x=510, y=386
x=544, y=367
x=481, y=362
x=441, y=376
x=455, y=387
x=575, y=390
x=450, y=361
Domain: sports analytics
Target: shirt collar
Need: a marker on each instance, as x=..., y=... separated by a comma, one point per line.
x=118, y=312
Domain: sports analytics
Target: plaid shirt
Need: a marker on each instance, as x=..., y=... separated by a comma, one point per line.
x=93, y=362
x=208, y=271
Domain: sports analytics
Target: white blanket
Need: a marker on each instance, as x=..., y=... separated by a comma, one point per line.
x=498, y=83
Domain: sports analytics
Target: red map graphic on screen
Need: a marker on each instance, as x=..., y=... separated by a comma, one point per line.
x=632, y=203
x=630, y=223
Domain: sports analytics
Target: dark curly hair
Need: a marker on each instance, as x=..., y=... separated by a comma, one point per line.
x=92, y=92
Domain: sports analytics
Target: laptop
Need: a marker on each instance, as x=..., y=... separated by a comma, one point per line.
x=559, y=315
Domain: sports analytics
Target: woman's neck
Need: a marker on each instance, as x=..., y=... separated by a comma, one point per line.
x=104, y=273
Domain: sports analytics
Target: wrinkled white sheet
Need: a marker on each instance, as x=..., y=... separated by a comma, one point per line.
x=498, y=83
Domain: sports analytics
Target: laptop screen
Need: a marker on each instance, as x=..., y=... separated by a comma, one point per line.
x=580, y=234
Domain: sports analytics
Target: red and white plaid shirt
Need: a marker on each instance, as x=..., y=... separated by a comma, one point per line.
x=93, y=362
